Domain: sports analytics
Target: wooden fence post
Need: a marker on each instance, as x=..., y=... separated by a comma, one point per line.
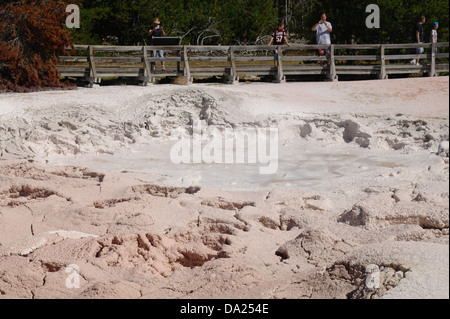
x=433, y=60
x=178, y=63
x=187, y=70
x=383, y=75
x=333, y=75
x=280, y=74
x=92, y=77
x=233, y=74
x=145, y=77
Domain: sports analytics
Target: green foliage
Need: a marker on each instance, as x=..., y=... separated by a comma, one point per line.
x=198, y=22
x=250, y=21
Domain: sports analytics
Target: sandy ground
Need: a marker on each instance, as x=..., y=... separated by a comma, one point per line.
x=91, y=205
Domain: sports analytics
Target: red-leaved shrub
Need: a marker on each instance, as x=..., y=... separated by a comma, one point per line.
x=32, y=36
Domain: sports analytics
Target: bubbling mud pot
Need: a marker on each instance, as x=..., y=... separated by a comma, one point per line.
x=92, y=205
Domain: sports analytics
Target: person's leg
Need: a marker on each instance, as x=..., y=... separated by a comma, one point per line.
x=161, y=55
x=155, y=55
x=276, y=58
x=414, y=61
x=328, y=55
x=321, y=54
x=419, y=52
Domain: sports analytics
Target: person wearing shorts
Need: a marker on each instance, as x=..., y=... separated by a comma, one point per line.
x=279, y=37
x=419, y=38
x=323, y=31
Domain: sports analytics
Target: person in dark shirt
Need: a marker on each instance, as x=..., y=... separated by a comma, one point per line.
x=157, y=30
x=419, y=38
x=279, y=37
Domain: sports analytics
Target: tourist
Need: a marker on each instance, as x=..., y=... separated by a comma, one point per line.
x=323, y=31
x=419, y=38
x=279, y=37
x=434, y=35
x=156, y=31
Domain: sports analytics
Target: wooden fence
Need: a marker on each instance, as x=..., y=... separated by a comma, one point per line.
x=92, y=63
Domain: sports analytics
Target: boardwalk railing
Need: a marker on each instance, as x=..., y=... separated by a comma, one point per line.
x=93, y=63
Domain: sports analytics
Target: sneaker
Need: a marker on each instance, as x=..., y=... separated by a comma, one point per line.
x=414, y=62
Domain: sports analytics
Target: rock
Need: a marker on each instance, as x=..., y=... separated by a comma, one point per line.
x=53, y=127
x=402, y=195
x=208, y=104
x=155, y=120
x=357, y=216
x=319, y=247
x=305, y=130
x=363, y=142
x=395, y=144
x=353, y=133
x=429, y=137
x=68, y=124
x=444, y=149
x=432, y=146
x=415, y=271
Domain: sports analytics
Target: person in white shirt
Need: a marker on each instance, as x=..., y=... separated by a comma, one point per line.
x=434, y=34
x=323, y=31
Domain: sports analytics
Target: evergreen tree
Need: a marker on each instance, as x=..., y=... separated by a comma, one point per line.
x=197, y=22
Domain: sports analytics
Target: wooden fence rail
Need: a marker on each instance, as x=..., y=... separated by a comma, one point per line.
x=92, y=63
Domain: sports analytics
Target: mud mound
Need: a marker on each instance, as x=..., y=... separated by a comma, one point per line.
x=357, y=216
x=398, y=133
x=342, y=281
x=24, y=170
x=227, y=205
x=29, y=192
x=318, y=247
x=81, y=173
x=426, y=216
x=17, y=195
x=385, y=271
x=162, y=191
x=352, y=133
x=157, y=254
x=113, y=202
x=83, y=129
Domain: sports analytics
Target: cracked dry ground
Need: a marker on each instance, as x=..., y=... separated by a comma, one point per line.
x=133, y=239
